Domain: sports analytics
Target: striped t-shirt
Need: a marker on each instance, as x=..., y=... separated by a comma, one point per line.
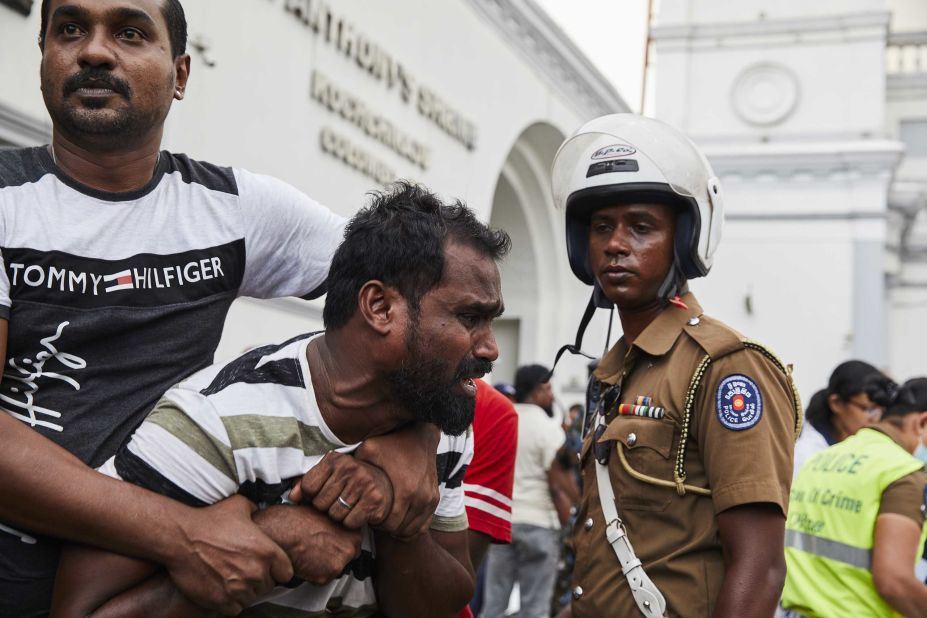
x=252, y=426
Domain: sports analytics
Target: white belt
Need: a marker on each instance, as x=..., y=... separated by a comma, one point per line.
x=646, y=594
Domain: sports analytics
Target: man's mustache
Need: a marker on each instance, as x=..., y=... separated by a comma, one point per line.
x=473, y=368
x=96, y=78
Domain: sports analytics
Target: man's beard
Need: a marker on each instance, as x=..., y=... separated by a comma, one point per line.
x=416, y=385
x=90, y=118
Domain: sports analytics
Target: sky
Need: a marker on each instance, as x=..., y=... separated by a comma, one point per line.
x=612, y=33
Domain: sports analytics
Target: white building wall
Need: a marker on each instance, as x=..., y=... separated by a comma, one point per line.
x=698, y=12
x=19, y=69
x=906, y=120
x=788, y=100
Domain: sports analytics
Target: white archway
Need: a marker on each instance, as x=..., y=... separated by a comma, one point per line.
x=532, y=274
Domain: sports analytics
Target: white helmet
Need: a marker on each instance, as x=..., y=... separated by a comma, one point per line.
x=622, y=158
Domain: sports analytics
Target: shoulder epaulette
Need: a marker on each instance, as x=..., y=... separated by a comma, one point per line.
x=716, y=338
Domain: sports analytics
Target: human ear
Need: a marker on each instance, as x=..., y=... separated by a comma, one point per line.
x=922, y=425
x=182, y=74
x=379, y=305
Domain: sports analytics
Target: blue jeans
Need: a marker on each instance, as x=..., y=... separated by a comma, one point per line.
x=531, y=560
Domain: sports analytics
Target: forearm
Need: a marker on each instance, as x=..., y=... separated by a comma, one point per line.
x=89, y=577
x=562, y=506
x=908, y=597
x=750, y=589
x=478, y=543
x=118, y=587
x=103, y=584
x=564, y=492
x=64, y=498
x=157, y=596
x=420, y=578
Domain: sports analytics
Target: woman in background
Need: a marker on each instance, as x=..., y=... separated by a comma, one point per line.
x=839, y=411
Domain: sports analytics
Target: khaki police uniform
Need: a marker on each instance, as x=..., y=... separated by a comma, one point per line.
x=741, y=432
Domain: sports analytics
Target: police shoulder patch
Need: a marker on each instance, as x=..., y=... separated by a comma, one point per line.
x=739, y=402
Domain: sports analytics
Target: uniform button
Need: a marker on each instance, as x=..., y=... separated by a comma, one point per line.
x=589, y=523
x=577, y=592
x=693, y=322
x=632, y=439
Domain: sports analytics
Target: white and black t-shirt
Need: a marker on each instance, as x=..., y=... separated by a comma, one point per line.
x=113, y=298
x=253, y=426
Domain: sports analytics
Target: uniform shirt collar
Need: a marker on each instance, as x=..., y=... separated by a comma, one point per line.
x=656, y=340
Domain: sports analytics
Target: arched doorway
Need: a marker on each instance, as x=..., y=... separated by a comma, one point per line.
x=531, y=275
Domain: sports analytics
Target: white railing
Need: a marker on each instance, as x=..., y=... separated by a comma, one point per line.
x=906, y=53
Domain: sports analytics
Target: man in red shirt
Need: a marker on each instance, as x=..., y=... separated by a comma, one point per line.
x=488, y=480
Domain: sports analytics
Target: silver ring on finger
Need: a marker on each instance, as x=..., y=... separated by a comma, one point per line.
x=344, y=503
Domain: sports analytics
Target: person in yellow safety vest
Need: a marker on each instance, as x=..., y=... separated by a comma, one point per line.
x=856, y=525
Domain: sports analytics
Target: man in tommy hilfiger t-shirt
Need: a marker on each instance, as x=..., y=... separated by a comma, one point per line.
x=120, y=261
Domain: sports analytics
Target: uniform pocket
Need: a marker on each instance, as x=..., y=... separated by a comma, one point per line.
x=648, y=446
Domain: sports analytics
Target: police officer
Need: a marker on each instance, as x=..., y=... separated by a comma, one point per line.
x=688, y=459
x=857, y=522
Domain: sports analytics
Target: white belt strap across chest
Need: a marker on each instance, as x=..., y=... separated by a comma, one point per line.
x=646, y=594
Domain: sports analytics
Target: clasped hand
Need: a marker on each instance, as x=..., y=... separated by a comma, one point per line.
x=391, y=483
x=365, y=492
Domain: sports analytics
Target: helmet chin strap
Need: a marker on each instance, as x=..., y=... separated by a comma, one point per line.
x=675, y=283
x=595, y=301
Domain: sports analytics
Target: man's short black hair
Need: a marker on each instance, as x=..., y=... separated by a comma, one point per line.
x=173, y=14
x=528, y=378
x=399, y=239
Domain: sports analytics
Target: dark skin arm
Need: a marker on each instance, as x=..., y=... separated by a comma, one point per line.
x=563, y=490
x=313, y=537
x=362, y=485
x=479, y=543
x=407, y=456
x=215, y=555
x=435, y=562
x=94, y=582
x=428, y=577
x=895, y=548
x=752, y=541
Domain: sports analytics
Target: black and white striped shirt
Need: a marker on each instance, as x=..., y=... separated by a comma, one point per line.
x=252, y=426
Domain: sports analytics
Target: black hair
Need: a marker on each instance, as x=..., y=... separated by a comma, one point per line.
x=899, y=400
x=399, y=239
x=173, y=14
x=849, y=378
x=528, y=378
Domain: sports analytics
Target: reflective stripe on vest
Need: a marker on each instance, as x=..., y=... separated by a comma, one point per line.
x=841, y=552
